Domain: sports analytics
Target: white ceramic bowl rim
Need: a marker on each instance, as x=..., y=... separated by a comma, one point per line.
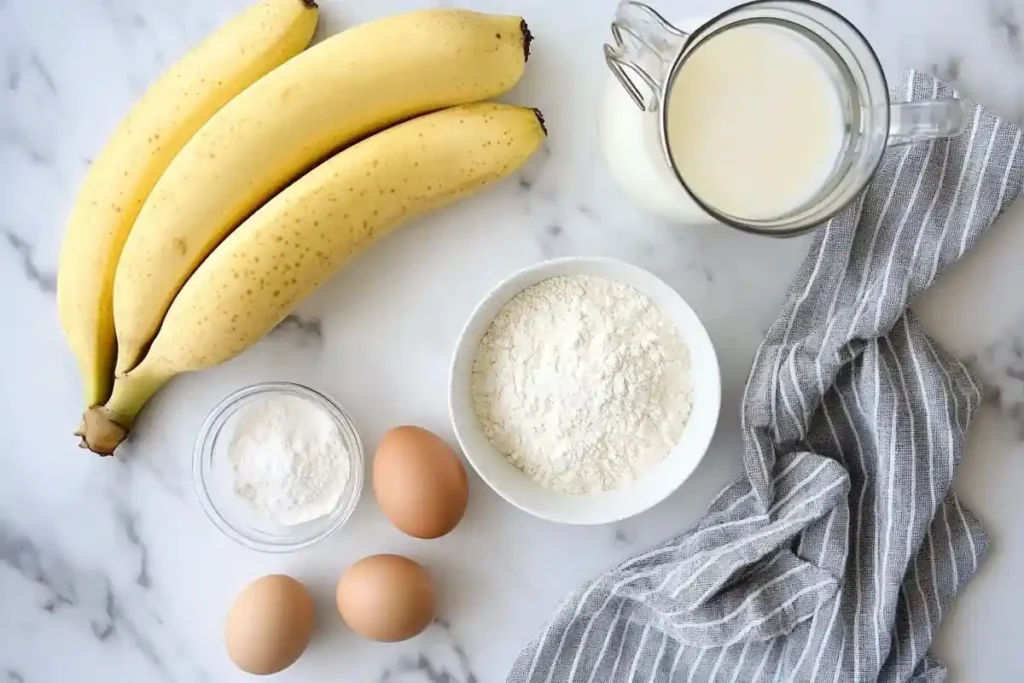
x=299, y=536
x=599, y=508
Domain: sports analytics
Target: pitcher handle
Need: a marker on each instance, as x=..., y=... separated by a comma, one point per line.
x=646, y=45
x=929, y=120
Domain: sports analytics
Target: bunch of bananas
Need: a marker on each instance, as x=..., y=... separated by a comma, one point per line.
x=233, y=188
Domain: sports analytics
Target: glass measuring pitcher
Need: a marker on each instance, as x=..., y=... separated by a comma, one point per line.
x=648, y=56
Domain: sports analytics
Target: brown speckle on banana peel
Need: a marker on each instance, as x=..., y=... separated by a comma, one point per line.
x=100, y=431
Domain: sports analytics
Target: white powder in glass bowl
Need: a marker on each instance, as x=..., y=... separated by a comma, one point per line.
x=288, y=458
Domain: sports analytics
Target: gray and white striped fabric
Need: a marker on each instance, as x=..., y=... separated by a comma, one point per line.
x=838, y=553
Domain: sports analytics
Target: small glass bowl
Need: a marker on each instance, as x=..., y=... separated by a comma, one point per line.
x=214, y=484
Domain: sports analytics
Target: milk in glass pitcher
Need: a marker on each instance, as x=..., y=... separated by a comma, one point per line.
x=770, y=117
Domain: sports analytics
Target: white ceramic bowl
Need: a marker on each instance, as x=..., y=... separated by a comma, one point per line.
x=516, y=487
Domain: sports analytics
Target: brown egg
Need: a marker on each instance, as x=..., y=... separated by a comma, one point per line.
x=386, y=598
x=419, y=482
x=269, y=625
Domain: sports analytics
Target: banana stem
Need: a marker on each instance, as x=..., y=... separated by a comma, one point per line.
x=131, y=392
x=105, y=427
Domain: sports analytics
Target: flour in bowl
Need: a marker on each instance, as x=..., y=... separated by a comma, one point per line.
x=583, y=383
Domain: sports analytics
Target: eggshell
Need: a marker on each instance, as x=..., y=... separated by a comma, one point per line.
x=419, y=482
x=269, y=624
x=386, y=598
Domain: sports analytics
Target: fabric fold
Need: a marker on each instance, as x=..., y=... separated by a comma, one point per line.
x=836, y=555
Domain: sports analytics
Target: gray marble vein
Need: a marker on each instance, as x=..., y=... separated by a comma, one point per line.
x=12, y=76
x=1005, y=20
x=948, y=69
x=44, y=73
x=120, y=622
x=529, y=176
x=309, y=330
x=1000, y=366
x=447, y=664
x=89, y=595
x=555, y=242
x=44, y=281
x=136, y=38
x=167, y=477
x=128, y=520
x=18, y=142
x=19, y=553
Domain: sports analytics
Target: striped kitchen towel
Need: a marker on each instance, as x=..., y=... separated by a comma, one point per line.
x=838, y=552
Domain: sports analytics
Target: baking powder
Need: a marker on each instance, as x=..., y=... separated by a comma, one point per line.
x=289, y=459
x=583, y=383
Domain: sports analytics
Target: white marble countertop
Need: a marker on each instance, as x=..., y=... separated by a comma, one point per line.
x=109, y=570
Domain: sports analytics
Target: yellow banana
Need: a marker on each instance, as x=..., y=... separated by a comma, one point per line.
x=351, y=85
x=124, y=173
x=297, y=240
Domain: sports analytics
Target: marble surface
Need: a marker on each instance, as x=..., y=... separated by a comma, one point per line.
x=109, y=570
